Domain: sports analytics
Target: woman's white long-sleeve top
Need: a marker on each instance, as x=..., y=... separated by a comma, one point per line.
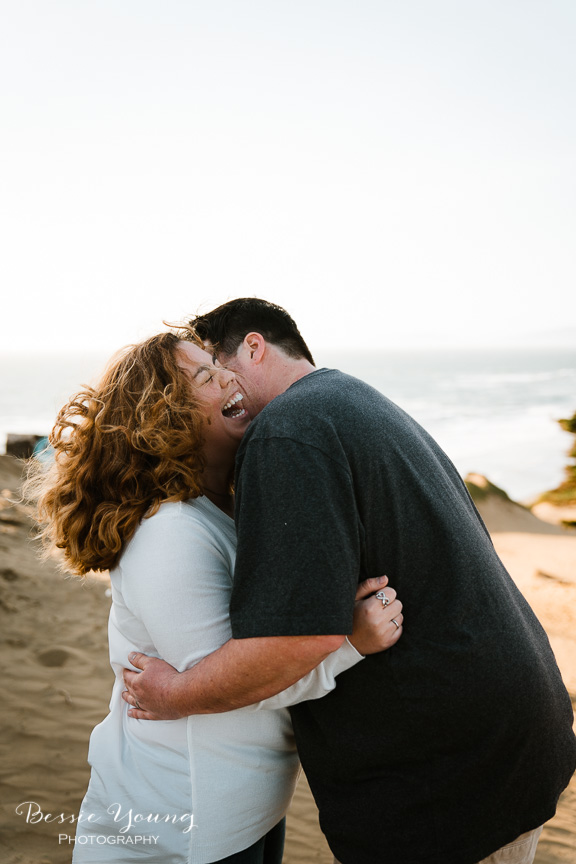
x=205, y=786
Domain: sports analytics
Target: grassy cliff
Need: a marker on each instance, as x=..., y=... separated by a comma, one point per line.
x=566, y=493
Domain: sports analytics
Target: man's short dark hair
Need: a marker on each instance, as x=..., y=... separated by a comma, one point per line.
x=227, y=325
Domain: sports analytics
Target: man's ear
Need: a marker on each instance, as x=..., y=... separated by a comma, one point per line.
x=255, y=346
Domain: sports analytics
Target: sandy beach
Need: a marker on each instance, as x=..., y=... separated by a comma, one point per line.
x=57, y=680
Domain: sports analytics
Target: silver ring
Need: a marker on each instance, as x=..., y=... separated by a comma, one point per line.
x=382, y=596
x=137, y=704
x=394, y=621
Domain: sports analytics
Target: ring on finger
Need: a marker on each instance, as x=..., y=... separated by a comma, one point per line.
x=381, y=595
x=394, y=621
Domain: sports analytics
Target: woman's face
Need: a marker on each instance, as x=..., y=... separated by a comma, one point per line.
x=217, y=391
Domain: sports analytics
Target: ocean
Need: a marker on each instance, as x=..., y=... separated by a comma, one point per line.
x=494, y=412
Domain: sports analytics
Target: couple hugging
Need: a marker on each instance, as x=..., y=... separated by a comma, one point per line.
x=247, y=505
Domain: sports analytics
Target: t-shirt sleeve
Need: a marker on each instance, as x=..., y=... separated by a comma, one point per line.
x=299, y=542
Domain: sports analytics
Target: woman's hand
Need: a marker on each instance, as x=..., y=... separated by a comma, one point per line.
x=377, y=620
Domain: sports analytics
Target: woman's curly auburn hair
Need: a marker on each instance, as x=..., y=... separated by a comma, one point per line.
x=121, y=448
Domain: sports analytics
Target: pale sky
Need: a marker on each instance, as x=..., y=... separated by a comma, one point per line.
x=395, y=172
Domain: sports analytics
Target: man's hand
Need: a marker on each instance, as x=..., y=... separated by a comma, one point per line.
x=159, y=680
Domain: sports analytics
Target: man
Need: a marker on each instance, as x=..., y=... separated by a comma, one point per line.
x=441, y=750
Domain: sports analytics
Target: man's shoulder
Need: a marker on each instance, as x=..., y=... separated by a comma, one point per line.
x=318, y=389
x=299, y=408
x=324, y=410
x=319, y=381
x=324, y=398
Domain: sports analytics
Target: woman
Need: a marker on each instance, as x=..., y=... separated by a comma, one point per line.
x=141, y=485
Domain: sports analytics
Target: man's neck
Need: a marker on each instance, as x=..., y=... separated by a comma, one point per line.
x=285, y=373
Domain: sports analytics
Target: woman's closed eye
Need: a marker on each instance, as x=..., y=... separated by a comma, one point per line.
x=204, y=375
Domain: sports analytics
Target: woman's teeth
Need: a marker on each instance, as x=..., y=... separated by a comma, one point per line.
x=229, y=410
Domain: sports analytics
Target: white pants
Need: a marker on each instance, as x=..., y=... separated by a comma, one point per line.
x=520, y=851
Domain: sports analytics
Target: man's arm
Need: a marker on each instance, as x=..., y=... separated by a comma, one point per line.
x=166, y=694
x=241, y=672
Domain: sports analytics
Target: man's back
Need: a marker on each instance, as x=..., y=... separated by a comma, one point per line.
x=459, y=738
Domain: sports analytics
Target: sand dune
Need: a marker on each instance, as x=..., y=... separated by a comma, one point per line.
x=57, y=680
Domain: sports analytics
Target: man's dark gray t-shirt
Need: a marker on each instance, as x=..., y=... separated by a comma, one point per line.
x=459, y=738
